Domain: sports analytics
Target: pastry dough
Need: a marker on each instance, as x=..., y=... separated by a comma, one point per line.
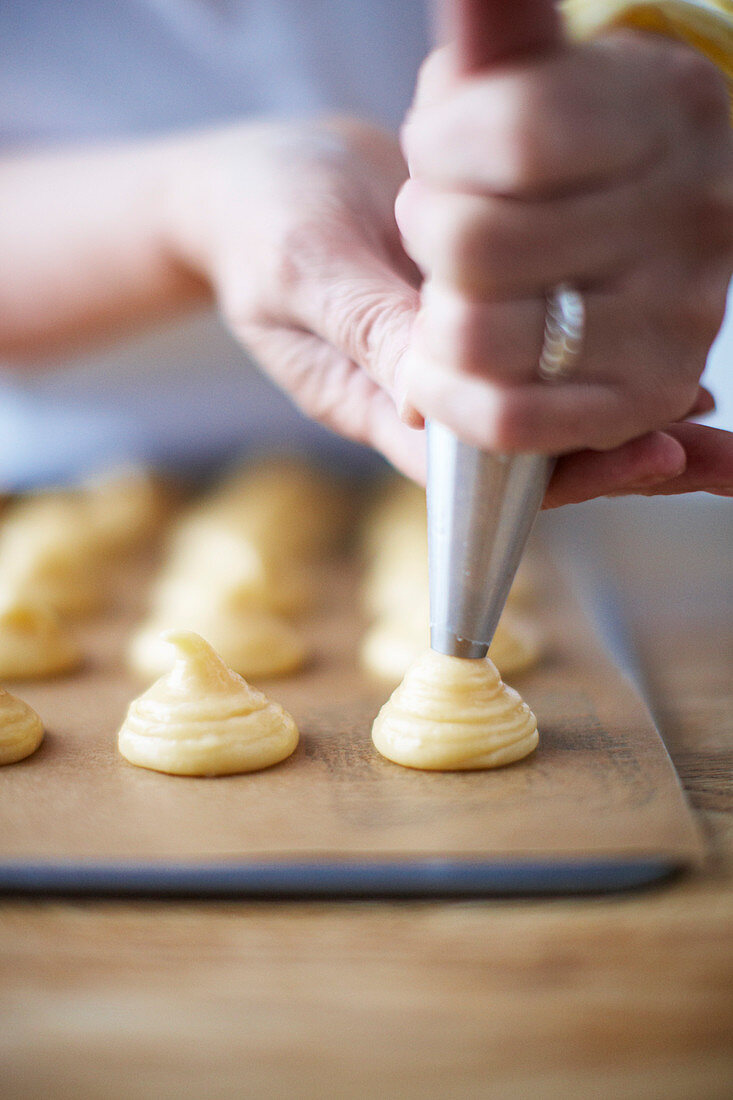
x=391, y=645
x=203, y=719
x=397, y=578
x=209, y=557
x=125, y=508
x=21, y=730
x=49, y=553
x=515, y=647
x=452, y=714
x=286, y=508
x=33, y=642
x=251, y=640
x=398, y=515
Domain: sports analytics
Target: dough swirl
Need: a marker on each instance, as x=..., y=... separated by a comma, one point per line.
x=452, y=714
x=201, y=718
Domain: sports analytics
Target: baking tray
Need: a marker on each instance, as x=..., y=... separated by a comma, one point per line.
x=597, y=808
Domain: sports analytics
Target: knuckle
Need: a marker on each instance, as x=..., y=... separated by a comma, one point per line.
x=540, y=132
x=709, y=310
x=523, y=152
x=680, y=399
x=358, y=324
x=695, y=315
x=511, y=426
x=696, y=84
x=434, y=77
x=466, y=250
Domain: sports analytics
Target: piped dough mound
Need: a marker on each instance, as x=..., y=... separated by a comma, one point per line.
x=514, y=647
x=21, y=730
x=389, y=647
x=450, y=714
x=49, y=553
x=286, y=507
x=33, y=642
x=126, y=507
x=209, y=556
x=203, y=719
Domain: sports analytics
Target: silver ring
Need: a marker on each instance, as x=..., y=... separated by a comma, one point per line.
x=564, y=330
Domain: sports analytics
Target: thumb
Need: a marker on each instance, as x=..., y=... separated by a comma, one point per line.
x=486, y=32
x=359, y=304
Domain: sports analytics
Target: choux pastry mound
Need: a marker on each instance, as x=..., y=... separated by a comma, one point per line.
x=60, y=517
x=21, y=730
x=208, y=557
x=451, y=714
x=286, y=507
x=398, y=580
x=397, y=518
x=390, y=646
x=70, y=586
x=203, y=719
x=33, y=642
x=515, y=647
x=48, y=553
x=126, y=507
x=251, y=640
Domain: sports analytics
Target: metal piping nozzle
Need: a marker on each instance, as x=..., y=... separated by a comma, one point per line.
x=481, y=508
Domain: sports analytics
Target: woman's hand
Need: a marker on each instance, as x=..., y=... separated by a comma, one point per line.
x=291, y=229
x=607, y=166
x=293, y=225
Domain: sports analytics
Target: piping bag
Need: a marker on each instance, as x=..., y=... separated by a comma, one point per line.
x=481, y=506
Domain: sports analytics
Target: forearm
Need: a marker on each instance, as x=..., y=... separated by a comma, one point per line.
x=85, y=247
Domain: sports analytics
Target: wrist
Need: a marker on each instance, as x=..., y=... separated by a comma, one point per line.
x=184, y=205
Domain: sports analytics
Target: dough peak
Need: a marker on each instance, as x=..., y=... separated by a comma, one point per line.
x=201, y=718
x=198, y=667
x=454, y=714
x=250, y=640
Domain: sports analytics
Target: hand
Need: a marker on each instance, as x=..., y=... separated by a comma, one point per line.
x=605, y=165
x=293, y=225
